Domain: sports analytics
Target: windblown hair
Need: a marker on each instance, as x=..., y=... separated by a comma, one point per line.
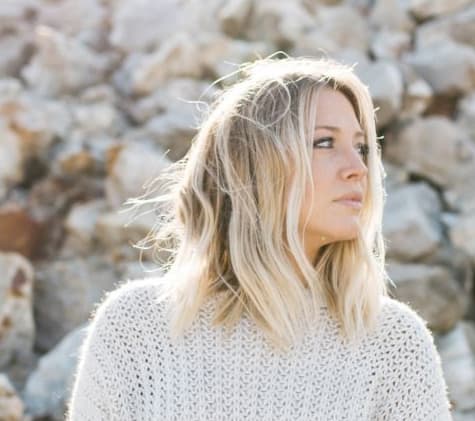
x=229, y=210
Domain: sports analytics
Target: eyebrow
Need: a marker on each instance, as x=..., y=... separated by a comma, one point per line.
x=337, y=129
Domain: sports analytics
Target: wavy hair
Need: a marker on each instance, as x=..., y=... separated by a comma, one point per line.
x=229, y=209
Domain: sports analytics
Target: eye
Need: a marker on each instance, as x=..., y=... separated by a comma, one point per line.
x=320, y=143
x=363, y=149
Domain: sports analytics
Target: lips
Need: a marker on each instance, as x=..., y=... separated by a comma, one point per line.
x=352, y=196
x=353, y=200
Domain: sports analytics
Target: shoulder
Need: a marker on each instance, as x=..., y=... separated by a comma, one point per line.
x=128, y=300
x=400, y=318
x=405, y=333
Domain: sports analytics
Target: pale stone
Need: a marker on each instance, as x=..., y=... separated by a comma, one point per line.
x=97, y=118
x=65, y=292
x=458, y=363
x=143, y=24
x=15, y=50
x=466, y=114
x=17, y=326
x=131, y=168
x=391, y=14
x=221, y=56
x=120, y=228
x=234, y=15
x=448, y=67
x=85, y=20
x=415, y=282
x=14, y=11
x=424, y=9
x=335, y=29
x=417, y=94
x=388, y=44
x=452, y=156
x=142, y=73
x=11, y=406
x=81, y=221
x=49, y=386
x=279, y=23
x=11, y=160
x=385, y=84
x=176, y=95
x=63, y=65
x=459, y=27
x=173, y=132
x=411, y=223
x=462, y=234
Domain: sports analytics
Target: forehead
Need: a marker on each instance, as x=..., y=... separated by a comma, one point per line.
x=335, y=109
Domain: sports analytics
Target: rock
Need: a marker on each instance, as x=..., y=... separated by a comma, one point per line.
x=459, y=27
x=14, y=11
x=395, y=176
x=425, y=9
x=119, y=229
x=16, y=49
x=80, y=224
x=392, y=15
x=178, y=94
x=11, y=406
x=221, y=56
x=73, y=160
x=130, y=168
x=11, y=160
x=20, y=231
x=466, y=114
x=84, y=154
x=85, y=21
x=415, y=282
x=385, y=84
x=63, y=65
x=448, y=67
x=138, y=270
x=49, y=385
x=234, y=16
x=144, y=24
x=451, y=159
x=142, y=73
x=388, y=44
x=462, y=234
x=279, y=24
x=417, y=94
x=412, y=222
x=335, y=28
x=458, y=364
x=17, y=328
x=65, y=292
x=36, y=121
x=97, y=118
x=172, y=131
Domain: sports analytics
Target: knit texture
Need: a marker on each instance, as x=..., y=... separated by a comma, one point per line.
x=129, y=369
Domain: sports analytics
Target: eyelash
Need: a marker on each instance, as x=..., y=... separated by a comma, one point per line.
x=364, y=147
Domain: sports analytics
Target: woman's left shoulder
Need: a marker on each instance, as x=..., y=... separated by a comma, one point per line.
x=404, y=328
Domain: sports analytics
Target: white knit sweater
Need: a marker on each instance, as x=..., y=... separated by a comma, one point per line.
x=129, y=369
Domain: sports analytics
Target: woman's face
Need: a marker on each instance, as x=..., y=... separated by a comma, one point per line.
x=339, y=170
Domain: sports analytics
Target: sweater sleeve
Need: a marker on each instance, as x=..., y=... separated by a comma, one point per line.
x=91, y=392
x=414, y=386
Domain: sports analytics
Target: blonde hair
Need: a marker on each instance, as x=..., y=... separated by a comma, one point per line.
x=229, y=212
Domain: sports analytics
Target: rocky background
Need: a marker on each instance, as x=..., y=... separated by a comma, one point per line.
x=95, y=99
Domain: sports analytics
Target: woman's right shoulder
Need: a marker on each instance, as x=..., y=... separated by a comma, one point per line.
x=130, y=298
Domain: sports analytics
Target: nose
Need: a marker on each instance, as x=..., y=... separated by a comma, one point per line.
x=354, y=166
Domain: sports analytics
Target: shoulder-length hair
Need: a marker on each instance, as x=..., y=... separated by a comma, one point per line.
x=229, y=212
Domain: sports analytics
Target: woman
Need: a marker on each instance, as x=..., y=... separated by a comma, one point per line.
x=274, y=303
